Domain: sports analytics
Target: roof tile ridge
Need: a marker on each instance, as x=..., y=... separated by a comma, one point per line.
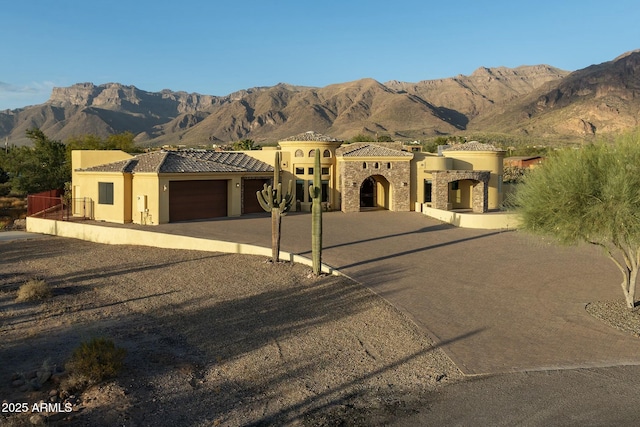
x=165, y=155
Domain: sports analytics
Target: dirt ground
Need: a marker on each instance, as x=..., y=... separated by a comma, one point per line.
x=211, y=339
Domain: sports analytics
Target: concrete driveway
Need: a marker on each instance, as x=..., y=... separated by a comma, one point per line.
x=496, y=301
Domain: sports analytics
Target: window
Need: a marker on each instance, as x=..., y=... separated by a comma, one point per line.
x=325, y=171
x=364, y=165
x=427, y=191
x=300, y=190
x=326, y=153
x=299, y=171
x=310, y=171
x=376, y=165
x=325, y=191
x=388, y=165
x=312, y=153
x=105, y=193
x=455, y=185
x=299, y=153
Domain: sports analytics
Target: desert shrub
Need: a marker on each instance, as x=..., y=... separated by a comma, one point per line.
x=74, y=382
x=34, y=290
x=97, y=359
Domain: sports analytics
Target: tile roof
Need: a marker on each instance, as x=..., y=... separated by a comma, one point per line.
x=311, y=136
x=370, y=150
x=473, y=146
x=186, y=162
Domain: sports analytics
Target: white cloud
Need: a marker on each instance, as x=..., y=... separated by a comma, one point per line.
x=17, y=96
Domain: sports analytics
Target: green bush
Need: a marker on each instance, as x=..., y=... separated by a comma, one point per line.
x=97, y=359
x=34, y=290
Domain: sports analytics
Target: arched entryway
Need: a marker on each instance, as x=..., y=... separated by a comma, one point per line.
x=461, y=193
x=375, y=193
x=456, y=189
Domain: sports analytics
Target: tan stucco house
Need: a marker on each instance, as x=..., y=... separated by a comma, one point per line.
x=170, y=186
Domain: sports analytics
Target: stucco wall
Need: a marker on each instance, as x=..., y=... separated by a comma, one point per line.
x=86, y=185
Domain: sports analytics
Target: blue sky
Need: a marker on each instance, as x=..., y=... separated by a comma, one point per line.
x=217, y=47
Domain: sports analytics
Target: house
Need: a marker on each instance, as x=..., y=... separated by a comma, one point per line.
x=170, y=186
x=523, y=162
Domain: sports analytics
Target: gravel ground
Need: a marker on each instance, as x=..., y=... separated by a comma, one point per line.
x=617, y=315
x=212, y=339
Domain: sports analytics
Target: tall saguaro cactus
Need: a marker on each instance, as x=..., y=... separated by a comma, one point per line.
x=315, y=191
x=272, y=200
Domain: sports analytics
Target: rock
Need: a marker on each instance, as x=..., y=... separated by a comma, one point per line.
x=53, y=392
x=57, y=378
x=36, y=420
x=43, y=376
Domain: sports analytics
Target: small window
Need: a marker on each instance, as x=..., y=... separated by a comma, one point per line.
x=312, y=153
x=388, y=165
x=299, y=171
x=326, y=153
x=310, y=171
x=376, y=165
x=325, y=171
x=364, y=165
x=299, y=153
x=105, y=193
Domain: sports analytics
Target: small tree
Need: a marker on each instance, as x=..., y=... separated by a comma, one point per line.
x=272, y=200
x=362, y=138
x=590, y=195
x=245, y=145
x=39, y=168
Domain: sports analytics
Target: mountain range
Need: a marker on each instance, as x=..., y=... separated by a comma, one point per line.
x=534, y=101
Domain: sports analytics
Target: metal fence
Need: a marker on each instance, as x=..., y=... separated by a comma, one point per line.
x=59, y=208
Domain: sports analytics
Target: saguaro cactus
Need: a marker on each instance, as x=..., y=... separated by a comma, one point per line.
x=315, y=191
x=272, y=200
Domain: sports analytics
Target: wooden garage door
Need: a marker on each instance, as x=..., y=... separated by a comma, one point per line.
x=250, y=203
x=189, y=200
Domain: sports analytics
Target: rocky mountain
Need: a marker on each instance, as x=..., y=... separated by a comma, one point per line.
x=598, y=99
x=534, y=100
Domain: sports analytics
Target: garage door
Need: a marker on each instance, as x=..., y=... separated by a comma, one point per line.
x=250, y=200
x=189, y=200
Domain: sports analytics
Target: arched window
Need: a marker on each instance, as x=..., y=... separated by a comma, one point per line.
x=376, y=165
x=312, y=153
x=388, y=165
x=364, y=165
x=299, y=153
x=326, y=153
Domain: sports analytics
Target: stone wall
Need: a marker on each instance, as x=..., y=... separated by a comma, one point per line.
x=353, y=173
x=479, y=192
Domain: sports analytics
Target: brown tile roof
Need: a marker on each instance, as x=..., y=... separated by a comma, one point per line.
x=186, y=162
x=370, y=150
x=311, y=136
x=473, y=146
